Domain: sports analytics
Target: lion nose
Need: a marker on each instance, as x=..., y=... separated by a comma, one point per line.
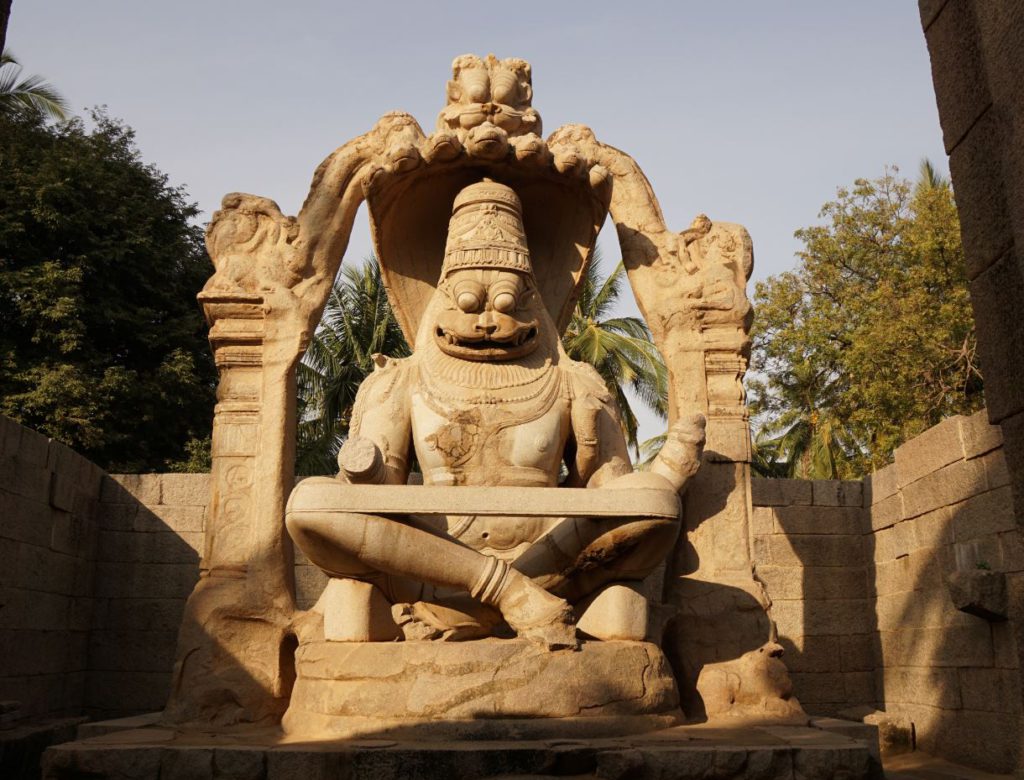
x=485, y=324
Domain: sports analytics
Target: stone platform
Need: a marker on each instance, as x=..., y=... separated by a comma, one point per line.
x=679, y=753
x=485, y=689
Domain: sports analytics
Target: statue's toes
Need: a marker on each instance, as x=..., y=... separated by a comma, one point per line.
x=553, y=636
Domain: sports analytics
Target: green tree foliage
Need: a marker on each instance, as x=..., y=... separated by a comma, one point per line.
x=102, y=344
x=358, y=323
x=871, y=339
x=20, y=95
x=619, y=348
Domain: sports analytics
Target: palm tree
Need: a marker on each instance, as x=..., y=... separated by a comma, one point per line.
x=357, y=324
x=805, y=440
x=28, y=95
x=619, y=348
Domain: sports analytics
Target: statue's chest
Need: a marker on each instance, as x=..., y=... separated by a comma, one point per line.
x=489, y=444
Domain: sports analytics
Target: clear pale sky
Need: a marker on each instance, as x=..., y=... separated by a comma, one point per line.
x=753, y=112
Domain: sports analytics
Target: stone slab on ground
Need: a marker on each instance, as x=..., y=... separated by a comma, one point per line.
x=921, y=766
x=22, y=746
x=679, y=753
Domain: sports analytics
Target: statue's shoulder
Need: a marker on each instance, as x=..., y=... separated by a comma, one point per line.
x=388, y=374
x=583, y=381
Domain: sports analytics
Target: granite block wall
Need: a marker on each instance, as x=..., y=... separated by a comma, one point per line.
x=49, y=500
x=945, y=506
x=812, y=551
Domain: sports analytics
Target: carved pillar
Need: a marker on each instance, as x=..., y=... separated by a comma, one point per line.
x=234, y=658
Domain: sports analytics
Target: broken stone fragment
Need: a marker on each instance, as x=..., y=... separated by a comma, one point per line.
x=979, y=592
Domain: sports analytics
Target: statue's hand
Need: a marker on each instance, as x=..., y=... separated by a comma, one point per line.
x=361, y=462
x=679, y=458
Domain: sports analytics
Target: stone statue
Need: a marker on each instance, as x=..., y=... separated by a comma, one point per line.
x=531, y=535
x=489, y=398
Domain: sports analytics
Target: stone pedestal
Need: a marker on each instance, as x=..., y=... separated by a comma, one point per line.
x=484, y=689
x=679, y=753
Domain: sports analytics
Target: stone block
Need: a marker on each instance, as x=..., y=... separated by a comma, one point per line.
x=997, y=290
x=858, y=652
x=238, y=763
x=129, y=488
x=72, y=534
x=998, y=26
x=997, y=472
x=815, y=688
x=22, y=609
x=155, y=547
x=10, y=437
x=194, y=763
x=933, y=529
x=859, y=687
x=33, y=448
x=1004, y=646
x=185, y=489
x=834, y=492
x=929, y=451
x=151, y=580
x=948, y=485
x=780, y=492
x=143, y=614
x=90, y=479
x=930, y=687
x=979, y=593
x=24, y=479
x=822, y=618
x=25, y=520
x=929, y=9
x=762, y=521
x=810, y=653
x=978, y=435
x=63, y=488
x=134, y=651
x=814, y=582
x=828, y=519
x=991, y=690
x=918, y=609
x=1011, y=545
x=969, y=645
x=118, y=517
x=881, y=484
x=958, y=70
x=887, y=512
x=985, y=552
x=981, y=193
x=178, y=519
x=984, y=514
x=123, y=692
x=815, y=550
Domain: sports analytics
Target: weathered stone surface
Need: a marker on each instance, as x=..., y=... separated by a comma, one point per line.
x=826, y=519
x=682, y=753
x=943, y=487
x=781, y=492
x=980, y=593
x=482, y=687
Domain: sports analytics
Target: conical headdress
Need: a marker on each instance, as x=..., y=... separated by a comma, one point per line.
x=486, y=230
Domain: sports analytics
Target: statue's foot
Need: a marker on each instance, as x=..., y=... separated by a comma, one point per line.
x=538, y=615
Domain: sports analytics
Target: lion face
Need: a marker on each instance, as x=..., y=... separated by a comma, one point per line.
x=487, y=316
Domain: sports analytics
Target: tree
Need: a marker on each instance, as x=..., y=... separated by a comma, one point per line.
x=357, y=324
x=871, y=339
x=28, y=95
x=102, y=345
x=619, y=348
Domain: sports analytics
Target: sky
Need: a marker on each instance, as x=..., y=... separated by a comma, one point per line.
x=748, y=111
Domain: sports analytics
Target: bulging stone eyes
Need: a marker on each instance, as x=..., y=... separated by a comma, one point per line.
x=468, y=302
x=504, y=302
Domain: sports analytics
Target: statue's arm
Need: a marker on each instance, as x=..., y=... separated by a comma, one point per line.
x=377, y=449
x=597, y=451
